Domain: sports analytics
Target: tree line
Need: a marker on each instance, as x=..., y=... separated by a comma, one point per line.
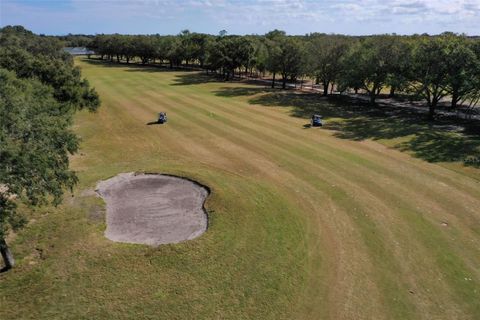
x=40, y=90
x=427, y=67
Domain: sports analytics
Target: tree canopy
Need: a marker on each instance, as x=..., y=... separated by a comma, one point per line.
x=40, y=90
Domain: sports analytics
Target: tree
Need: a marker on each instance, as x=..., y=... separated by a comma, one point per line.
x=244, y=52
x=430, y=71
x=272, y=41
x=127, y=47
x=39, y=93
x=215, y=54
x=463, y=69
x=98, y=45
x=173, y=50
x=284, y=56
x=229, y=53
x=474, y=96
x=370, y=63
x=397, y=78
x=35, y=142
x=188, y=46
x=291, y=59
x=272, y=63
x=144, y=48
x=260, y=55
x=200, y=43
x=324, y=58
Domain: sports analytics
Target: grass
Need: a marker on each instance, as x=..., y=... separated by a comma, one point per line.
x=304, y=223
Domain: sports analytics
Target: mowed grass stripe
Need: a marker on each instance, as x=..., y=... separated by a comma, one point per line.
x=334, y=150
x=251, y=138
x=395, y=159
x=252, y=226
x=263, y=191
x=419, y=185
x=445, y=197
x=195, y=122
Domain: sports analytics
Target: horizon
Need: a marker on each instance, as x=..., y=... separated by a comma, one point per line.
x=252, y=17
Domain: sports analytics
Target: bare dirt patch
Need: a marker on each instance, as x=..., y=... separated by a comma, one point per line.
x=153, y=209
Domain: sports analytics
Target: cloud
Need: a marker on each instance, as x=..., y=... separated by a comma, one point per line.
x=248, y=16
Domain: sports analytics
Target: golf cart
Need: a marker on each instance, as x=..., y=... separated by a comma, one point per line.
x=162, y=118
x=316, y=121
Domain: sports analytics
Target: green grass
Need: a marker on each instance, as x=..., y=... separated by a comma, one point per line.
x=303, y=223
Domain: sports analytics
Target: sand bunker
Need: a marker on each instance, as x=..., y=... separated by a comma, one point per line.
x=153, y=209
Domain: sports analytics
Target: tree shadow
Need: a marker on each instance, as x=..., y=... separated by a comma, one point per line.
x=195, y=78
x=439, y=142
x=136, y=67
x=242, y=91
x=305, y=104
x=202, y=77
x=448, y=139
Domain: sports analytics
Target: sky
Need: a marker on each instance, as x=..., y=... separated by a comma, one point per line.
x=353, y=17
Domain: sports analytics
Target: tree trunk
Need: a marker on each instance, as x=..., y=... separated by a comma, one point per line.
x=373, y=96
x=392, y=92
x=431, y=111
x=284, y=81
x=356, y=90
x=118, y=58
x=273, y=81
x=325, y=88
x=128, y=59
x=454, y=99
x=432, y=106
x=6, y=255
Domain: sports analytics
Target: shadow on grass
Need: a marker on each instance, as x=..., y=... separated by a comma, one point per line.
x=445, y=140
x=201, y=77
x=193, y=78
x=242, y=91
x=439, y=142
x=136, y=67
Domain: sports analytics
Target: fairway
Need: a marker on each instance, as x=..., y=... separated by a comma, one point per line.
x=301, y=223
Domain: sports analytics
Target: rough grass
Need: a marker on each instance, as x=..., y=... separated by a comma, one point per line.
x=304, y=224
